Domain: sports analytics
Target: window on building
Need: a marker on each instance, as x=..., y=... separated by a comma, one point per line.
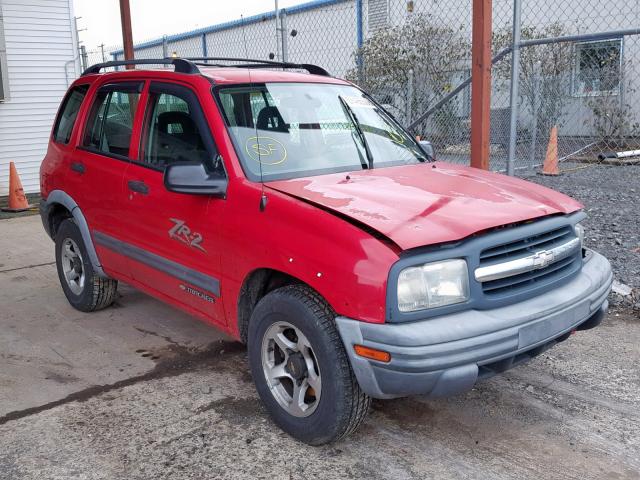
x=110, y=123
x=598, y=68
x=68, y=114
x=378, y=14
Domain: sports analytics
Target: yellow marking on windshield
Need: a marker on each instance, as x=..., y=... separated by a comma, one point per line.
x=259, y=148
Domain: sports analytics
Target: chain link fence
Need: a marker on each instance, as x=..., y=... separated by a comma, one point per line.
x=414, y=57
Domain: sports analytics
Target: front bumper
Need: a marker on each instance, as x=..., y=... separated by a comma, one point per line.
x=446, y=355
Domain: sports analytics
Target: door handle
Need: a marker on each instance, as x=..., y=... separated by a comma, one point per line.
x=77, y=167
x=138, y=186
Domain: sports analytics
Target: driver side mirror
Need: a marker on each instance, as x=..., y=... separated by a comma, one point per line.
x=194, y=179
x=427, y=148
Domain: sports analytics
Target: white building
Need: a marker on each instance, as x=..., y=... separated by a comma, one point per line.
x=38, y=60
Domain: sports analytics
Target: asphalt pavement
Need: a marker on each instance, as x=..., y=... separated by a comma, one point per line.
x=141, y=390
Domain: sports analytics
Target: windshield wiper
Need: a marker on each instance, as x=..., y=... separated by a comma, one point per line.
x=356, y=125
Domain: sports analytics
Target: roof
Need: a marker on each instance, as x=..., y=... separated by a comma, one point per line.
x=231, y=75
x=252, y=71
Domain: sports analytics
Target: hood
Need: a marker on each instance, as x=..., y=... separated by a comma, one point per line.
x=423, y=204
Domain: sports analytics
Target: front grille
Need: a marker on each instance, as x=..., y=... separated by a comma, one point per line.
x=524, y=247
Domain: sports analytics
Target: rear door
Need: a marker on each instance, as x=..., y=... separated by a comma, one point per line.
x=99, y=161
x=173, y=238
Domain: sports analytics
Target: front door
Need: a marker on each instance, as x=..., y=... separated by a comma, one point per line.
x=174, y=241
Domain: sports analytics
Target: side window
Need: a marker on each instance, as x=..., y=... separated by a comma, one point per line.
x=176, y=131
x=68, y=114
x=110, y=123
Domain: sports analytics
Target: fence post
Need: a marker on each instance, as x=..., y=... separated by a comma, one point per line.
x=481, y=84
x=515, y=79
x=84, y=59
x=204, y=46
x=278, y=39
x=165, y=47
x=359, y=37
x=284, y=36
x=537, y=74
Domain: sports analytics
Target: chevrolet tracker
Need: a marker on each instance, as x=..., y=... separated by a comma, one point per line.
x=291, y=211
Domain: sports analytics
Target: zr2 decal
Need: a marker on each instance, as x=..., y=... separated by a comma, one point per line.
x=183, y=234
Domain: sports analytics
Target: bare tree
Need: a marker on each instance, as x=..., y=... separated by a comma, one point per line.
x=545, y=73
x=410, y=66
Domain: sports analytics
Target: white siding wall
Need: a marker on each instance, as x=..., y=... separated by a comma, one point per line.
x=39, y=41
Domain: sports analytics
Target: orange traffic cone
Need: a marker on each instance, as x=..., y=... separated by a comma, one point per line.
x=550, y=166
x=17, y=200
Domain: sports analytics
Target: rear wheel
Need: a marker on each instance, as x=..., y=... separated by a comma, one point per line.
x=301, y=369
x=84, y=289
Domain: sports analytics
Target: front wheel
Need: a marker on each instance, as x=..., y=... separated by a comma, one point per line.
x=301, y=369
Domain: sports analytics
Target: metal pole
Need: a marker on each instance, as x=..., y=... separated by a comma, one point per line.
x=165, y=47
x=127, y=35
x=277, y=32
x=205, y=52
x=515, y=79
x=481, y=84
x=283, y=34
x=537, y=72
x=83, y=57
x=359, y=38
x=621, y=89
x=410, y=93
x=77, y=32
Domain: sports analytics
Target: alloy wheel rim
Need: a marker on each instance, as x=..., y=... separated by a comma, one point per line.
x=291, y=369
x=72, y=266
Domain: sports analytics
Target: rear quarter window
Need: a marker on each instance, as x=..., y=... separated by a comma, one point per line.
x=66, y=119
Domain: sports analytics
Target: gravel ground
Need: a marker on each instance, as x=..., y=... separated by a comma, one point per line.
x=611, y=196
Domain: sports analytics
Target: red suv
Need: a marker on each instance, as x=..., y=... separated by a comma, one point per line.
x=291, y=211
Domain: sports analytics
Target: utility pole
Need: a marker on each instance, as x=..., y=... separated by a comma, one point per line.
x=79, y=42
x=127, y=36
x=481, y=84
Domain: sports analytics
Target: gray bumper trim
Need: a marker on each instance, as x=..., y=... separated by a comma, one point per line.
x=445, y=355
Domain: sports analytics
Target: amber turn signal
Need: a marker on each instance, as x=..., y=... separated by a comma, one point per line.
x=372, y=353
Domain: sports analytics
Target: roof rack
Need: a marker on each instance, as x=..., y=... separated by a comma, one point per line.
x=254, y=63
x=190, y=65
x=181, y=65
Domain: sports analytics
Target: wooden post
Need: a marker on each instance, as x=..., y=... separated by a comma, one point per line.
x=127, y=36
x=481, y=84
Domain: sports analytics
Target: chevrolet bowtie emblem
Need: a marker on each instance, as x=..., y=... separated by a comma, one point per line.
x=543, y=258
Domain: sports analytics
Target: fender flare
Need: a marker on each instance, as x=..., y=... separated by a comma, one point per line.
x=62, y=198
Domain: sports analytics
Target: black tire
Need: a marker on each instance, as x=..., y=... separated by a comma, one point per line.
x=97, y=292
x=342, y=405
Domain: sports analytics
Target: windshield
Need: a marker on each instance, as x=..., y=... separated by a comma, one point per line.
x=292, y=130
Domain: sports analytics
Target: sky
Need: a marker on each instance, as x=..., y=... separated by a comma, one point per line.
x=100, y=19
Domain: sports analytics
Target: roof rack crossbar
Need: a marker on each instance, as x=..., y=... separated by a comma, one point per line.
x=181, y=65
x=254, y=63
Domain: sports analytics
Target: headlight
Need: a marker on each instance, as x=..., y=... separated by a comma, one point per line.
x=579, y=229
x=433, y=285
